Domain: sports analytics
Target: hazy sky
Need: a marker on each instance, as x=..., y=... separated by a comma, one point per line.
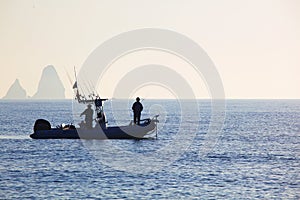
x=255, y=44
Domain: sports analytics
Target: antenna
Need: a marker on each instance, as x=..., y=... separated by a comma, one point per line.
x=75, y=74
x=70, y=80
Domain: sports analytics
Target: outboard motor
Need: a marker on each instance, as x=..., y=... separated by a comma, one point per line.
x=41, y=124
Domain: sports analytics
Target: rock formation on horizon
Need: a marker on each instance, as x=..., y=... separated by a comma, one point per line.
x=16, y=91
x=50, y=85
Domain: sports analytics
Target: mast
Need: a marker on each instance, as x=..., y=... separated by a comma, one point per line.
x=92, y=98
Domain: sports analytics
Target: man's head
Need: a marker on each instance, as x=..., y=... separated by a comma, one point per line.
x=138, y=99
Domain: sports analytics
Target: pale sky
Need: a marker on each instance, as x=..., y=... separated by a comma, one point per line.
x=255, y=45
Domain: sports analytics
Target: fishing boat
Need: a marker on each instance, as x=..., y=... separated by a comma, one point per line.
x=43, y=130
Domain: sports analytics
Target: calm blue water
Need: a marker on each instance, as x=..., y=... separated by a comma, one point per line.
x=257, y=154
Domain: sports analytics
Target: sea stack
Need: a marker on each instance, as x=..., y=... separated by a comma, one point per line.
x=16, y=91
x=50, y=85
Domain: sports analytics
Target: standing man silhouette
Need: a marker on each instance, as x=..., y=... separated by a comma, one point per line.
x=88, y=116
x=137, y=108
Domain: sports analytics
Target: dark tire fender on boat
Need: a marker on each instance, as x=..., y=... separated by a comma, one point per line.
x=41, y=124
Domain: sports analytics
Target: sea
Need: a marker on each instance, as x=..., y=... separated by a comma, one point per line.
x=242, y=149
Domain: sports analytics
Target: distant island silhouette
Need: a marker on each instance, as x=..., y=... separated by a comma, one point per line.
x=16, y=91
x=50, y=87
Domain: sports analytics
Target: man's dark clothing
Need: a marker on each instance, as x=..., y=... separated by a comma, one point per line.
x=137, y=108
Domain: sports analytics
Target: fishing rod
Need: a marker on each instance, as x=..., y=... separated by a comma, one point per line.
x=79, y=96
x=93, y=88
x=69, y=77
x=90, y=88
